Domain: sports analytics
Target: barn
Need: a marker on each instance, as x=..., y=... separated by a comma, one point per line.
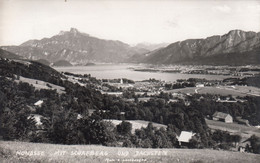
x=224, y=117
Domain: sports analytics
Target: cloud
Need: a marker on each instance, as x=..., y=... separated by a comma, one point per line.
x=223, y=8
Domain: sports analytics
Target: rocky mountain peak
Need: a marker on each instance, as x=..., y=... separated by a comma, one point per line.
x=62, y=33
x=235, y=31
x=74, y=31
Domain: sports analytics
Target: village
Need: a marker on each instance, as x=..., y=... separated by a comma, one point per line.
x=235, y=71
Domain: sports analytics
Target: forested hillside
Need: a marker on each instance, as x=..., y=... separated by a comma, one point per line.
x=67, y=118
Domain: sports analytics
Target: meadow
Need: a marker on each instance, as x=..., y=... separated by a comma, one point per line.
x=39, y=84
x=24, y=152
x=243, y=130
x=221, y=90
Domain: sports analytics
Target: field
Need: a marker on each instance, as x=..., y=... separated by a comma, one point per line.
x=137, y=124
x=221, y=90
x=243, y=130
x=38, y=84
x=19, y=152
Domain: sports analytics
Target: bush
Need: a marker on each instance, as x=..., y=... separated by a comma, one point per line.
x=224, y=146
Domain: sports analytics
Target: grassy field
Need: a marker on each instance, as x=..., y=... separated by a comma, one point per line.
x=231, y=127
x=137, y=124
x=243, y=130
x=38, y=84
x=221, y=90
x=19, y=152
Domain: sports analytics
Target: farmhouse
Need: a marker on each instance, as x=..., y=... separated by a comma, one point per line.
x=38, y=103
x=113, y=93
x=37, y=119
x=185, y=137
x=199, y=85
x=226, y=100
x=219, y=116
x=91, y=111
x=173, y=100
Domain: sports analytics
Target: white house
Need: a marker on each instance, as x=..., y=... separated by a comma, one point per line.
x=38, y=103
x=199, y=85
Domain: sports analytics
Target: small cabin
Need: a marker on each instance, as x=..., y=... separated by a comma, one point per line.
x=224, y=117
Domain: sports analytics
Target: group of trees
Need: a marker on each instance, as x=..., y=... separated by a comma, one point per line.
x=148, y=137
x=250, y=81
x=30, y=69
x=224, y=140
x=60, y=122
x=254, y=146
x=170, y=86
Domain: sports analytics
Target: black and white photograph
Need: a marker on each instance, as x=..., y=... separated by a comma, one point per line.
x=129, y=81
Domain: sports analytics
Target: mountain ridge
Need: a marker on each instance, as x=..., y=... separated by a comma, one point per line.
x=77, y=47
x=235, y=41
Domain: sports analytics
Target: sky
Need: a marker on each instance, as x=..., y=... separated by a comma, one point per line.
x=130, y=21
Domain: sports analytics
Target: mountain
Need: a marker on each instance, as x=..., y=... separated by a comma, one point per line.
x=75, y=47
x=150, y=46
x=9, y=55
x=236, y=47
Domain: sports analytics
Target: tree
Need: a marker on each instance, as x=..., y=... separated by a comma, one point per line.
x=195, y=141
x=124, y=128
x=236, y=138
x=255, y=144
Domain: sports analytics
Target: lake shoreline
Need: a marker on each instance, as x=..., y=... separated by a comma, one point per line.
x=130, y=71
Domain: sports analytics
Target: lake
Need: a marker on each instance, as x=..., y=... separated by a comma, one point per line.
x=115, y=71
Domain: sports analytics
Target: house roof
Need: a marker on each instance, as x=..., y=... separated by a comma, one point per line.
x=38, y=103
x=36, y=118
x=185, y=136
x=220, y=115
